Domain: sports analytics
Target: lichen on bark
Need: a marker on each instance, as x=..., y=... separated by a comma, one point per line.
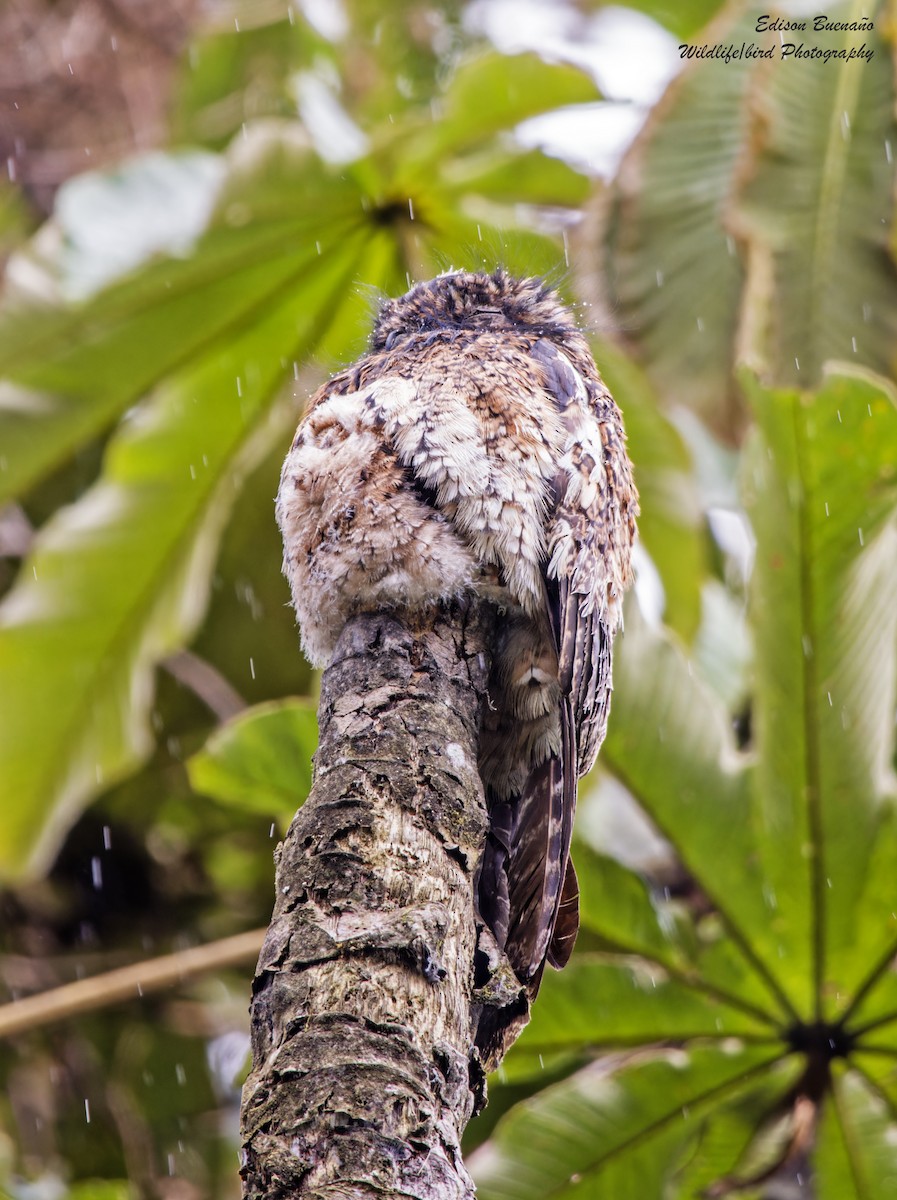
x=376, y=972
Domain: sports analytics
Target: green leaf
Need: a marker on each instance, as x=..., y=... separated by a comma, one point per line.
x=492, y=92
x=260, y=761
x=73, y=368
x=120, y=578
x=610, y=1124
x=101, y=1189
x=822, y=482
x=671, y=520
x=528, y=177
x=669, y=742
x=598, y=1002
x=856, y=1145
x=816, y=208
x=673, y=269
x=682, y=19
x=616, y=904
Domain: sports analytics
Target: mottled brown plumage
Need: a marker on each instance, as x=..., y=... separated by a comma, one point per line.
x=475, y=448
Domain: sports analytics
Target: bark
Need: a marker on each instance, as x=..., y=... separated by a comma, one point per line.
x=376, y=972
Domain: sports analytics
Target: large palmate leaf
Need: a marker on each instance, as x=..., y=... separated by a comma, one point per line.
x=757, y=205
x=784, y=956
x=673, y=269
x=619, y=1127
x=817, y=208
x=205, y=339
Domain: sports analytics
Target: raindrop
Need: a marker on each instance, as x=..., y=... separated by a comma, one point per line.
x=107, y=838
x=290, y=13
x=140, y=993
x=69, y=65
x=869, y=409
x=11, y=168
x=237, y=24
x=180, y=1074
x=807, y=644
x=192, y=471
x=566, y=249
x=410, y=208
x=318, y=248
x=295, y=370
x=845, y=126
x=867, y=311
x=239, y=386
x=87, y=1110
x=479, y=233
x=700, y=323
x=271, y=830
x=860, y=535
x=113, y=42
x=96, y=873
x=541, y=1063
x=658, y=275
x=826, y=508
x=796, y=363
x=251, y=667
x=887, y=150
x=829, y=699
x=171, y=1164
x=828, y=882
x=839, y=417
x=853, y=343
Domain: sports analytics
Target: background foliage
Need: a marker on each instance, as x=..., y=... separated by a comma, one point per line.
x=729, y=1021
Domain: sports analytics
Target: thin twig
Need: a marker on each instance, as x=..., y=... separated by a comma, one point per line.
x=126, y=983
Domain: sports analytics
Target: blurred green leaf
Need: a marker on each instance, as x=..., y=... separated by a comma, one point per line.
x=493, y=92
x=260, y=761
x=857, y=1143
x=816, y=208
x=671, y=521
x=682, y=19
x=672, y=267
x=120, y=578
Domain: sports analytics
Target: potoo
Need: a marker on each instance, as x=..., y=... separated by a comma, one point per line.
x=475, y=449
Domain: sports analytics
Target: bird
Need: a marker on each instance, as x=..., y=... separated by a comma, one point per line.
x=474, y=449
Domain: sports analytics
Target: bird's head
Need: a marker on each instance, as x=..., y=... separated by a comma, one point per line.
x=469, y=300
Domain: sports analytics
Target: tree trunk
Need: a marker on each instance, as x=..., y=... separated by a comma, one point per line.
x=376, y=970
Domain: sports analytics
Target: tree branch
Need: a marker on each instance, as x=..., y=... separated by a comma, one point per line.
x=375, y=972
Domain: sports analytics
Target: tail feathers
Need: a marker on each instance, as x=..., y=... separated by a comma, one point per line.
x=566, y=925
x=542, y=889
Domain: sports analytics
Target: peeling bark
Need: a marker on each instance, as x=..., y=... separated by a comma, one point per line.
x=376, y=972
